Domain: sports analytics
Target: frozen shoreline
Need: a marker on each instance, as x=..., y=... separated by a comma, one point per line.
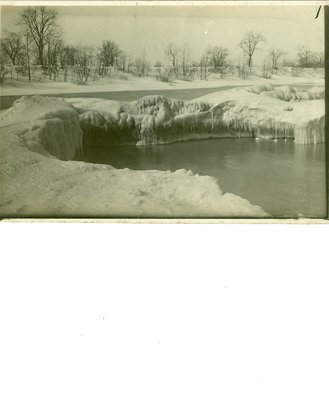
x=256, y=111
x=39, y=133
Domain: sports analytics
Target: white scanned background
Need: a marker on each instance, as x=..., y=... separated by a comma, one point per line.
x=163, y=312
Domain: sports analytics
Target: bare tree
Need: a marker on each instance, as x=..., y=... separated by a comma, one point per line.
x=109, y=53
x=204, y=64
x=129, y=62
x=172, y=53
x=275, y=55
x=12, y=45
x=305, y=57
x=52, y=55
x=67, y=56
x=243, y=69
x=122, y=60
x=186, y=59
x=3, y=66
x=218, y=59
x=40, y=23
x=83, y=62
x=249, y=44
x=318, y=59
x=266, y=69
x=27, y=47
x=142, y=66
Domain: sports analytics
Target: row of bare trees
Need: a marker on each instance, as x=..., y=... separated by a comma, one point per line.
x=215, y=59
x=39, y=42
x=39, y=46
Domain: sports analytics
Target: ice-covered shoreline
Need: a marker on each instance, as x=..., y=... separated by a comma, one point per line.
x=38, y=134
x=258, y=111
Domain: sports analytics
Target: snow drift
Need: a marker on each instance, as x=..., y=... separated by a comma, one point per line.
x=257, y=111
x=55, y=127
x=38, y=134
x=263, y=112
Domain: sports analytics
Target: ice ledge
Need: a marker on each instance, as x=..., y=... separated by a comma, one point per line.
x=259, y=111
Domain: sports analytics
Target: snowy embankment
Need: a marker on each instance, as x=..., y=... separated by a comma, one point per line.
x=38, y=138
x=256, y=111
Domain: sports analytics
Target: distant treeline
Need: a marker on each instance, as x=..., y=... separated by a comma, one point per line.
x=38, y=50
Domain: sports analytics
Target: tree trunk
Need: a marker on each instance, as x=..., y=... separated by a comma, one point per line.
x=28, y=58
x=28, y=67
x=40, y=51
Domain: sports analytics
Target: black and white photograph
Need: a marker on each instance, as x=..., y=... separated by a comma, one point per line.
x=149, y=110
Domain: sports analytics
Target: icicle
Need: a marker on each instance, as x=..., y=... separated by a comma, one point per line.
x=311, y=133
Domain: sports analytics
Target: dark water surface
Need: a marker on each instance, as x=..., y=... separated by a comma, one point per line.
x=284, y=178
x=126, y=95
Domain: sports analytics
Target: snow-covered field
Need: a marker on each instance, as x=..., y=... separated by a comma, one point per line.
x=41, y=135
x=12, y=87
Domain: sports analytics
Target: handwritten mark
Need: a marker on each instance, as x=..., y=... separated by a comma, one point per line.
x=317, y=14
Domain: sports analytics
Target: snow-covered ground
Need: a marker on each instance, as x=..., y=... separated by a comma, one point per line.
x=39, y=137
x=23, y=87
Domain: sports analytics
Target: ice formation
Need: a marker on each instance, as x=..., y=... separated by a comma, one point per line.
x=39, y=137
x=38, y=133
x=44, y=125
x=257, y=111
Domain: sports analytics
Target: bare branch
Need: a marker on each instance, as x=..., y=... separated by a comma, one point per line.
x=40, y=22
x=249, y=44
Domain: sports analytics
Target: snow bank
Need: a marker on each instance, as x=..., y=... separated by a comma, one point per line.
x=44, y=125
x=288, y=93
x=37, y=134
x=257, y=89
x=263, y=111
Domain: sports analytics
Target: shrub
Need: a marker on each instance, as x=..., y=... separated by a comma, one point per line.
x=165, y=75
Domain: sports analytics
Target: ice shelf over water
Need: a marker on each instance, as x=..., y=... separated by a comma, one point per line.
x=40, y=135
x=257, y=111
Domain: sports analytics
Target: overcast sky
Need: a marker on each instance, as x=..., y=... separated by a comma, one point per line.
x=138, y=28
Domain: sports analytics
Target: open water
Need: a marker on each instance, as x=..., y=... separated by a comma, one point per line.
x=284, y=178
